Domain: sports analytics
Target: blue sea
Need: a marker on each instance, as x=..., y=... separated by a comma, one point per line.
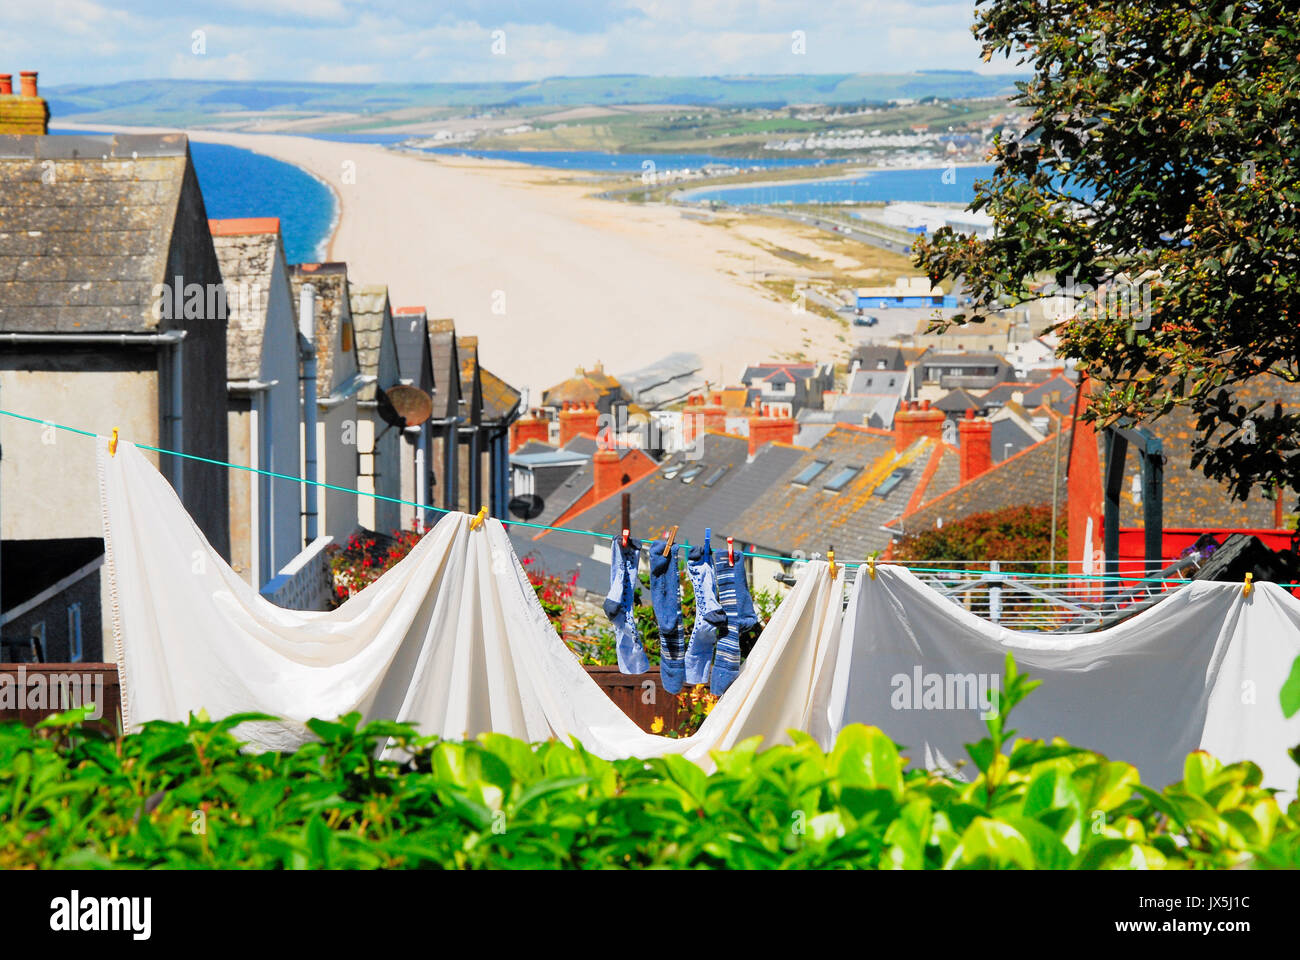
x=598, y=161
x=910, y=185
x=239, y=183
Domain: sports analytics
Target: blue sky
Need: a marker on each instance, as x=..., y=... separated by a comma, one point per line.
x=87, y=41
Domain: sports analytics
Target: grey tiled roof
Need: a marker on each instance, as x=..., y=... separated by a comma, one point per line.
x=809, y=518
x=370, y=314
x=659, y=502
x=446, y=368
x=86, y=228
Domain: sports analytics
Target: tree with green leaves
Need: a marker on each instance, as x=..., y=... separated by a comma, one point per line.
x=1159, y=164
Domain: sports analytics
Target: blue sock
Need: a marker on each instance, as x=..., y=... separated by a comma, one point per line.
x=708, y=616
x=733, y=592
x=666, y=596
x=619, y=602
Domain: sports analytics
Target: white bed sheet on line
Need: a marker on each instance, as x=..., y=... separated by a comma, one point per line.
x=1202, y=669
x=452, y=639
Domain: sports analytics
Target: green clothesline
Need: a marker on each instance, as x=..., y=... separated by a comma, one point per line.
x=585, y=533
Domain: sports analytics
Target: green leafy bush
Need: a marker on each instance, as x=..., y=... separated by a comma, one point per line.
x=186, y=795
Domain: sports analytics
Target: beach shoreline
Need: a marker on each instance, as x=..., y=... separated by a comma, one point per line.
x=548, y=277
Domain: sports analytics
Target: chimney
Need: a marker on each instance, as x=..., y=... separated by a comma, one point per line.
x=527, y=428
x=713, y=415
x=606, y=472
x=26, y=113
x=765, y=428
x=976, y=446
x=577, y=419
x=912, y=422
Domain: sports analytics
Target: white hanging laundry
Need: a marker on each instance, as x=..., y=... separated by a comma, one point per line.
x=1201, y=669
x=452, y=639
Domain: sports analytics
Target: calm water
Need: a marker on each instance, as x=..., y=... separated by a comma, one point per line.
x=239, y=183
x=618, y=162
x=916, y=186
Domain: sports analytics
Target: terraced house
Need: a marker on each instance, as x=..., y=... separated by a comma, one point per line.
x=112, y=315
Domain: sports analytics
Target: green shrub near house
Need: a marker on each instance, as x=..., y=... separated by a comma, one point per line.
x=186, y=795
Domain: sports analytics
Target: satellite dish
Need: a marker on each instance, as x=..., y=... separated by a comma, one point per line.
x=526, y=506
x=404, y=406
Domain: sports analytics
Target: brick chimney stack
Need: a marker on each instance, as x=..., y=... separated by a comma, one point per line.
x=912, y=422
x=606, y=472
x=576, y=419
x=23, y=113
x=528, y=428
x=976, y=446
x=765, y=428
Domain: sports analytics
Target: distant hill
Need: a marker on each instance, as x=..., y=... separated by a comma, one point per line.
x=200, y=101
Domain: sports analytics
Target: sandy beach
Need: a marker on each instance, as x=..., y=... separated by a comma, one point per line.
x=548, y=277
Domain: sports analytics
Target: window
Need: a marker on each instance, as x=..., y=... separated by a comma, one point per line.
x=890, y=482
x=714, y=477
x=838, y=481
x=691, y=473
x=75, y=652
x=809, y=472
x=346, y=336
x=672, y=470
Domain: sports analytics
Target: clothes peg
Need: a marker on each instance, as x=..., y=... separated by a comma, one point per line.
x=731, y=550
x=708, y=536
x=478, y=520
x=1248, y=585
x=672, y=535
x=112, y=444
x=830, y=555
x=871, y=567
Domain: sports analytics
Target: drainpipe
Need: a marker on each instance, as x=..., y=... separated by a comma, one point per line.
x=173, y=419
x=422, y=476
x=307, y=350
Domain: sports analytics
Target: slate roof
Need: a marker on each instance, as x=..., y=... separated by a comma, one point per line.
x=1041, y=394
x=877, y=381
x=957, y=401
x=870, y=357
x=659, y=501
x=370, y=312
x=1003, y=393
x=446, y=368
x=1007, y=431
x=1024, y=479
x=790, y=517
x=246, y=252
x=411, y=340
x=86, y=228
x=333, y=309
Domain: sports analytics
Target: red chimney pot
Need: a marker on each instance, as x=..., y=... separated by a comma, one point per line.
x=28, y=81
x=6, y=84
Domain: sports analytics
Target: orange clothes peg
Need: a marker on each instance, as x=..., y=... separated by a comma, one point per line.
x=112, y=444
x=672, y=535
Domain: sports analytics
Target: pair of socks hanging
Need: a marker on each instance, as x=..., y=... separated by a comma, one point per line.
x=713, y=654
x=738, y=605
x=619, y=603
